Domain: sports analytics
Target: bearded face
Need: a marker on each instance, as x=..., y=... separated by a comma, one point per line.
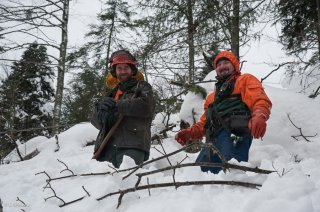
x=224, y=69
x=123, y=72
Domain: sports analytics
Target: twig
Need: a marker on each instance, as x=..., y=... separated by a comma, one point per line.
x=174, y=178
x=159, y=135
x=86, y=191
x=184, y=159
x=59, y=178
x=57, y=143
x=274, y=70
x=54, y=194
x=165, y=153
x=158, y=150
x=48, y=180
x=48, y=185
x=66, y=169
x=148, y=188
x=98, y=173
x=178, y=184
x=213, y=148
x=315, y=94
x=283, y=171
x=73, y=201
x=301, y=134
x=19, y=200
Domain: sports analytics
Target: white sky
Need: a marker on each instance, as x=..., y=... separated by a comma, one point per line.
x=83, y=13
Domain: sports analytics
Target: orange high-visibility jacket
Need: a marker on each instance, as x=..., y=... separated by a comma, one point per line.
x=252, y=94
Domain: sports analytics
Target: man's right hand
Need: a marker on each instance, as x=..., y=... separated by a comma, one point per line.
x=183, y=136
x=107, y=103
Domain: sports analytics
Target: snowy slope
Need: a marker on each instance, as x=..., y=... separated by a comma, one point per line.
x=295, y=186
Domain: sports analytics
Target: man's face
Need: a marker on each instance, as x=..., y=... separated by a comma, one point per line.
x=123, y=72
x=224, y=69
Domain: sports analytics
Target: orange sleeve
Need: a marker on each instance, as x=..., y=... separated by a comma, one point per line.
x=198, y=130
x=253, y=94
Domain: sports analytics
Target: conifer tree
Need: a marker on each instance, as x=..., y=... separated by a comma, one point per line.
x=111, y=33
x=84, y=91
x=300, y=32
x=26, y=95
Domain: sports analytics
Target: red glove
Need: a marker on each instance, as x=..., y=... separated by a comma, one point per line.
x=257, y=124
x=183, y=136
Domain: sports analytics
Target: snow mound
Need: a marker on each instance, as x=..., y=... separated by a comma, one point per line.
x=294, y=186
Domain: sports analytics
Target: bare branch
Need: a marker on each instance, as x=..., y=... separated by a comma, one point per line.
x=315, y=94
x=276, y=69
x=66, y=169
x=19, y=200
x=301, y=134
x=179, y=184
x=86, y=191
x=57, y=143
x=213, y=148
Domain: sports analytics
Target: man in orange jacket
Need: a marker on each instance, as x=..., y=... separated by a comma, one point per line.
x=234, y=113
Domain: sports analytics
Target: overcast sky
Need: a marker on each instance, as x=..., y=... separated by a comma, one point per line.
x=257, y=55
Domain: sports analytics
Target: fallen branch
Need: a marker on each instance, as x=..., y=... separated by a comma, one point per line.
x=213, y=148
x=48, y=185
x=178, y=184
x=76, y=200
x=222, y=165
x=54, y=194
x=66, y=169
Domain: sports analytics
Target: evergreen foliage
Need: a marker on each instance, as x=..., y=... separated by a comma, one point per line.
x=299, y=22
x=84, y=91
x=25, y=97
x=104, y=37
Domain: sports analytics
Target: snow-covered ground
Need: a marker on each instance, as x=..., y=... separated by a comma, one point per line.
x=293, y=187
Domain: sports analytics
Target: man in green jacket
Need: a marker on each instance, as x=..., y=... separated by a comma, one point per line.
x=131, y=97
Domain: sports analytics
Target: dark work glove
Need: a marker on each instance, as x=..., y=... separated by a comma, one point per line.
x=102, y=116
x=107, y=103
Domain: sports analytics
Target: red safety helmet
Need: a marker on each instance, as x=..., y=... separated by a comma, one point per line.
x=123, y=56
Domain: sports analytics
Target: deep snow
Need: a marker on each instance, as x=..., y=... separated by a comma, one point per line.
x=294, y=187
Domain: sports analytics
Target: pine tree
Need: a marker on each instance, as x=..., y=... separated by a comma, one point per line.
x=109, y=34
x=26, y=95
x=300, y=32
x=81, y=96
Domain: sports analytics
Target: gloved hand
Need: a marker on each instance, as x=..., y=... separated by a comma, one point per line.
x=183, y=136
x=107, y=103
x=257, y=124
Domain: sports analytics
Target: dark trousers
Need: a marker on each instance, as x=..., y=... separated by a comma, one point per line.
x=115, y=155
x=225, y=144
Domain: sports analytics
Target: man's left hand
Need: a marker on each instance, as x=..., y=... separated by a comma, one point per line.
x=257, y=124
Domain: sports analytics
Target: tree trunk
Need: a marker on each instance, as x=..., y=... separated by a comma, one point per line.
x=110, y=36
x=191, y=31
x=318, y=27
x=61, y=67
x=235, y=28
x=109, y=43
